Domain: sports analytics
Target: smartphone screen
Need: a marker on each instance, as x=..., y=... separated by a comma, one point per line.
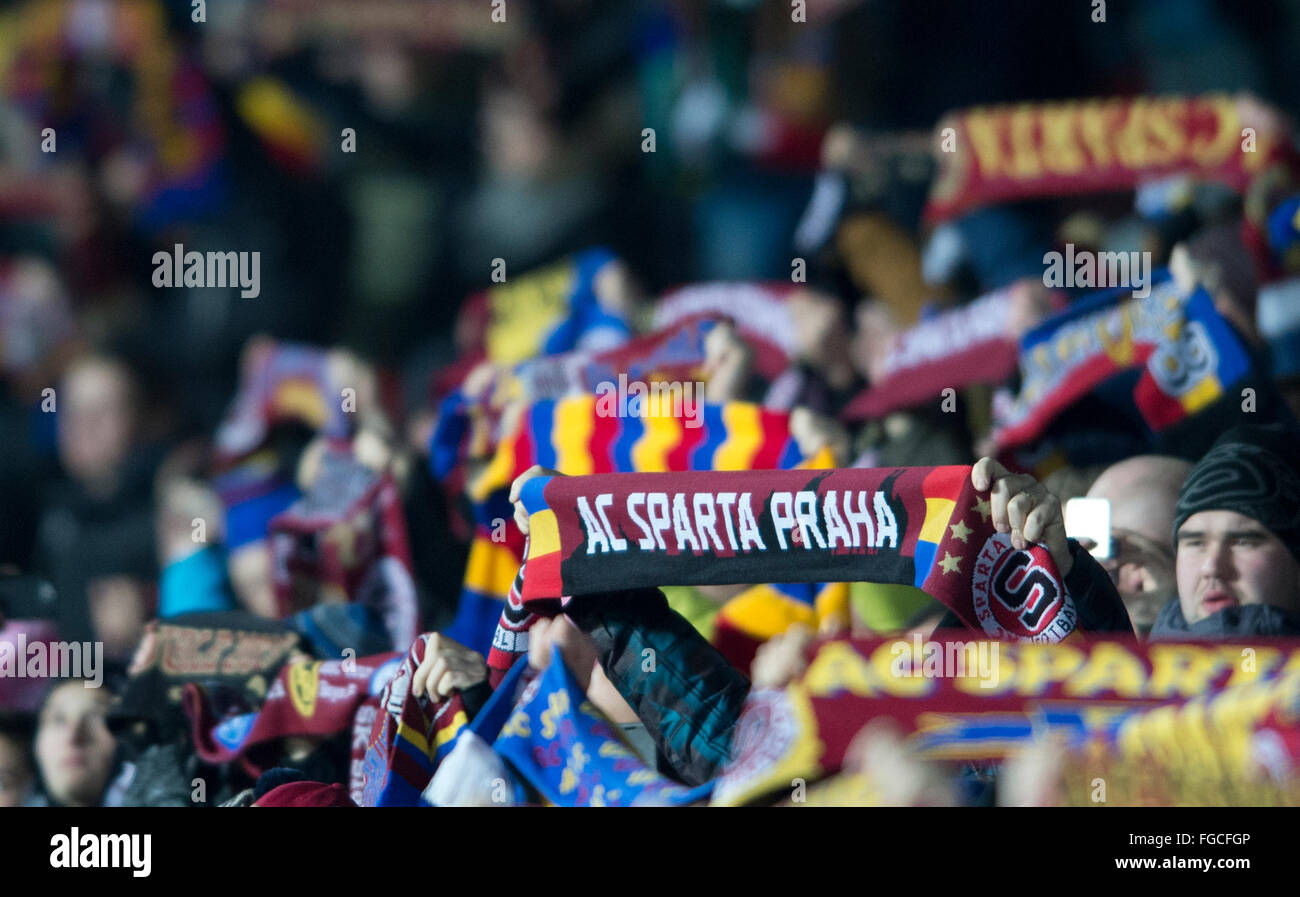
x=1088, y=521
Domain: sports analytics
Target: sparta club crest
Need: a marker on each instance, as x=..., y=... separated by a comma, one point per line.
x=1018, y=594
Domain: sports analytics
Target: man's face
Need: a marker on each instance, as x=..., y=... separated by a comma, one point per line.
x=1226, y=559
x=74, y=748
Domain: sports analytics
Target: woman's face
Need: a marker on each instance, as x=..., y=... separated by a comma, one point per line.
x=74, y=748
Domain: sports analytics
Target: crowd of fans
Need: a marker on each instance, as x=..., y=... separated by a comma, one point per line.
x=294, y=525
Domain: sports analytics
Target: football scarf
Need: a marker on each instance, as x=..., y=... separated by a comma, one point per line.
x=235, y=656
x=563, y=746
x=574, y=436
x=759, y=310
x=919, y=526
x=1187, y=355
x=460, y=778
x=1283, y=227
x=290, y=130
x=603, y=434
x=673, y=354
x=494, y=557
x=344, y=541
x=510, y=640
x=977, y=343
x=543, y=312
x=1027, y=151
x=362, y=724
x=973, y=701
x=306, y=698
x=253, y=491
x=408, y=738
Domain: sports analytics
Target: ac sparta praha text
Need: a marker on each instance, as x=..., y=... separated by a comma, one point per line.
x=725, y=523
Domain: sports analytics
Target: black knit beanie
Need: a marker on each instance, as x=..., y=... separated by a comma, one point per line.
x=1254, y=471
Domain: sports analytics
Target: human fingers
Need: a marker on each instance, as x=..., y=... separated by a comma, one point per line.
x=420, y=677
x=985, y=471
x=1019, y=507
x=539, y=643
x=1004, y=490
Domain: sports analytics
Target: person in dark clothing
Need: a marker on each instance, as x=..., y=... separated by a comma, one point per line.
x=689, y=699
x=95, y=540
x=1237, y=531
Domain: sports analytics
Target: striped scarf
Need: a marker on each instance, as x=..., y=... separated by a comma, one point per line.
x=468, y=424
x=569, y=435
x=409, y=737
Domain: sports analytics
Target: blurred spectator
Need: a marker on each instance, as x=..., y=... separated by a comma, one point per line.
x=95, y=541
x=75, y=752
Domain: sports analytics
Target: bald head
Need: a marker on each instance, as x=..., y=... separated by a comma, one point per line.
x=1143, y=494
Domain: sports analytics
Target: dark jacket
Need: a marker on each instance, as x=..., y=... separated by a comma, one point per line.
x=1261, y=620
x=686, y=693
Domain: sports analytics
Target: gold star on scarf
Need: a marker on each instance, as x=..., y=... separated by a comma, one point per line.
x=960, y=530
x=983, y=507
x=949, y=563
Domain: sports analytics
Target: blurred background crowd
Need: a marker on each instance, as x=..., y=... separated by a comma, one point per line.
x=386, y=157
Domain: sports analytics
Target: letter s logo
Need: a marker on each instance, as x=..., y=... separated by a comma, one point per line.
x=1018, y=595
x=1025, y=589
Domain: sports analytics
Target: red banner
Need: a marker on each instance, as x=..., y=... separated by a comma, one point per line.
x=979, y=700
x=1025, y=151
